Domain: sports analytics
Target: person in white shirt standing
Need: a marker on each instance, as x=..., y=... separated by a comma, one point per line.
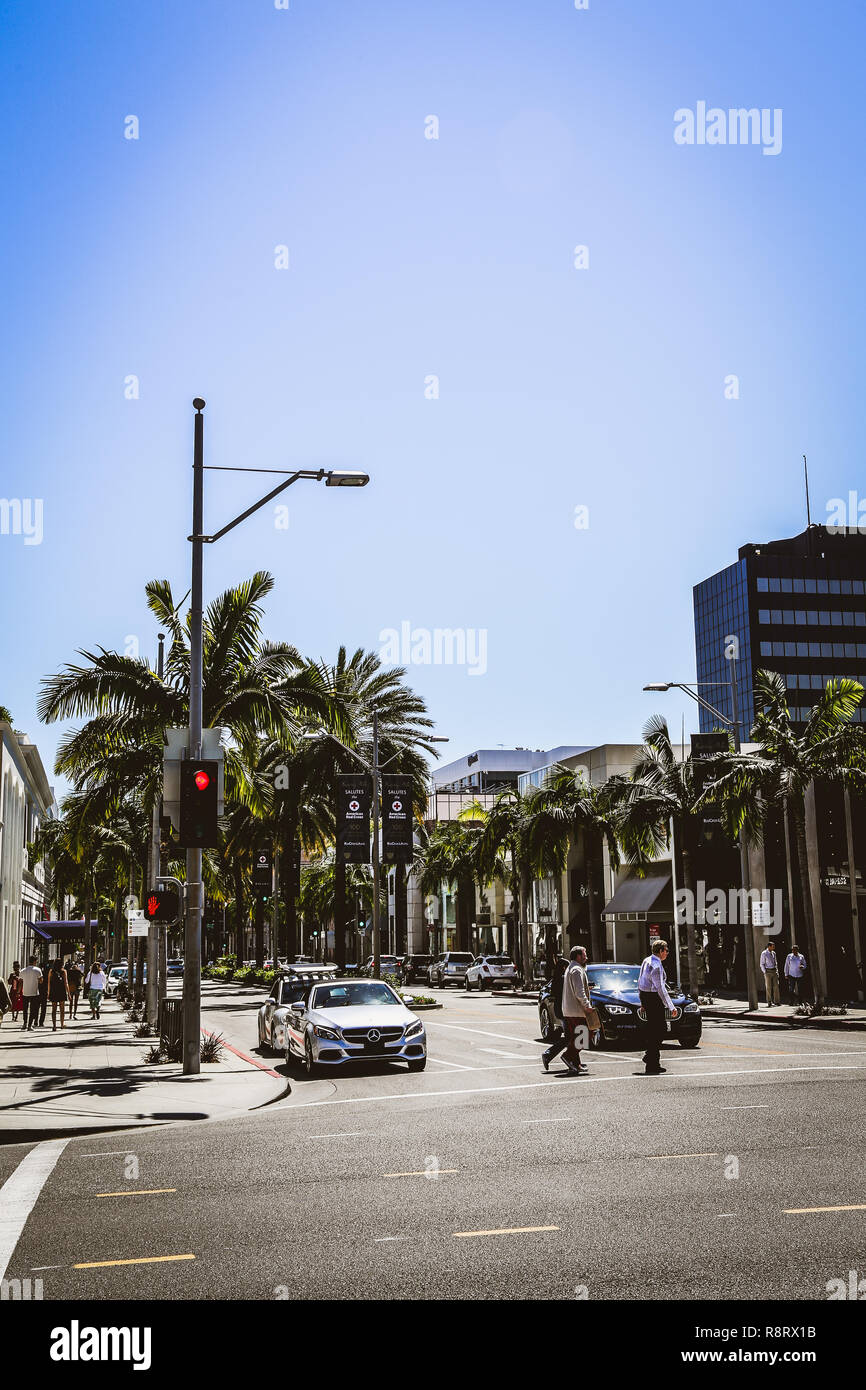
x=795, y=969
x=31, y=977
x=654, y=997
x=770, y=967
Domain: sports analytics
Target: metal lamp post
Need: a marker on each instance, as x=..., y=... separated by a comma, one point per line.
x=194, y=903
x=733, y=723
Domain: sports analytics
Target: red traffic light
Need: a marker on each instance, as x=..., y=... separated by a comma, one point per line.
x=201, y=780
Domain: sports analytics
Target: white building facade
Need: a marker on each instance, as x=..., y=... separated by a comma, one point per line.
x=26, y=800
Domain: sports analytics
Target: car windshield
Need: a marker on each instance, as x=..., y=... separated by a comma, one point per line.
x=353, y=993
x=117, y=972
x=613, y=977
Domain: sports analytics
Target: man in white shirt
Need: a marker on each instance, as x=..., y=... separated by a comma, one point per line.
x=654, y=997
x=795, y=969
x=770, y=967
x=30, y=978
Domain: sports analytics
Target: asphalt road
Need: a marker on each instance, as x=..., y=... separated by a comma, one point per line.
x=482, y=1177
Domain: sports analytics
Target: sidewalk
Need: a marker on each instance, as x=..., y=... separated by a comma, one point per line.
x=783, y=1014
x=91, y=1076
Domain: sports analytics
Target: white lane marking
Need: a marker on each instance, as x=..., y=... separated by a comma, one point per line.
x=19, y=1193
x=381, y=1239
x=555, y=1120
x=459, y=1066
x=103, y=1153
x=744, y=1107
x=497, y=1052
x=538, y=1085
x=484, y=1032
x=344, y=1134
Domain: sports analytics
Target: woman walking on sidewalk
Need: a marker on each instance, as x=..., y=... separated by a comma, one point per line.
x=95, y=984
x=58, y=993
x=16, y=992
x=74, y=976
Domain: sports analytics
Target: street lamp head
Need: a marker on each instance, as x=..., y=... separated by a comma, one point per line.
x=343, y=478
x=198, y=403
x=658, y=685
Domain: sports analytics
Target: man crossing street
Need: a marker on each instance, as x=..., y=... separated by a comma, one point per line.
x=654, y=998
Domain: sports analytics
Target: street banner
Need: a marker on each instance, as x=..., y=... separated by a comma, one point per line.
x=705, y=747
x=397, y=824
x=354, y=797
x=263, y=872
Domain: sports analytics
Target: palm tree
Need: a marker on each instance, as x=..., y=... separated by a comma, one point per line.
x=663, y=791
x=786, y=763
x=564, y=810
x=451, y=855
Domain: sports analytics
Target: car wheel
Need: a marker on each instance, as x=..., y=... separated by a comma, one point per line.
x=468, y=984
x=417, y=1064
x=309, y=1064
x=481, y=984
x=688, y=1042
x=546, y=1024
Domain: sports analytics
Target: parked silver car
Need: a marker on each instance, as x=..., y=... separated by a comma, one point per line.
x=339, y=1021
x=450, y=968
x=486, y=972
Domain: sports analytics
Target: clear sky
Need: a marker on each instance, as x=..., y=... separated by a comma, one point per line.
x=412, y=258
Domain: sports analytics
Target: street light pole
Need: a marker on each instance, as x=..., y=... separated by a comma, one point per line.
x=154, y=933
x=192, y=932
x=377, y=945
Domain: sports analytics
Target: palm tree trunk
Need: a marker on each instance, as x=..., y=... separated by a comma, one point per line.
x=694, y=982
x=465, y=900
x=240, y=914
x=290, y=890
x=523, y=910
x=799, y=818
x=260, y=932
x=340, y=914
x=595, y=928
x=400, y=910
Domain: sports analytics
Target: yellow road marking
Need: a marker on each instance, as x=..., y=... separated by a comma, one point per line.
x=144, y=1260
x=138, y=1192
x=807, y=1211
x=505, y=1231
x=707, y=1155
x=422, y=1173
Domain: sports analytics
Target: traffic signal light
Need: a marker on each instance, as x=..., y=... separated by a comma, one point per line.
x=161, y=905
x=199, y=803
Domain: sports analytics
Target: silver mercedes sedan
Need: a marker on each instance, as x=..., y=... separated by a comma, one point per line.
x=340, y=1021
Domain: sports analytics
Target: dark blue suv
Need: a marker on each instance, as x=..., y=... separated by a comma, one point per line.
x=614, y=993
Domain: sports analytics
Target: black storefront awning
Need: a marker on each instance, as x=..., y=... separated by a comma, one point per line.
x=641, y=894
x=61, y=931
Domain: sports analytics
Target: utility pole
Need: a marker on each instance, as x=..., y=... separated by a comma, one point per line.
x=155, y=967
x=745, y=872
x=377, y=946
x=192, y=928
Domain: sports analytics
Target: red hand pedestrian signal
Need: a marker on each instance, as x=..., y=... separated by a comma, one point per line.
x=152, y=905
x=202, y=780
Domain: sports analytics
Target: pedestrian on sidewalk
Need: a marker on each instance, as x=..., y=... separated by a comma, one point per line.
x=16, y=994
x=74, y=976
x=654, y=997
x=95, y=984
x=30, y=978
x=575, y=1006
x=557, y=1042
x=5, y=1001
x=43, y=995
x=58, y=993
x=770, y=967
x=795, y=969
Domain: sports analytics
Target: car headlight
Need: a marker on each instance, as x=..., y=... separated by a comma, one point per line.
x=617, y=1008
x=329, y=1033
x=414, y=1029
x=691, y=1009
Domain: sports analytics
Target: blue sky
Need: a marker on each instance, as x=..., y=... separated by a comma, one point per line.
x=410, y=258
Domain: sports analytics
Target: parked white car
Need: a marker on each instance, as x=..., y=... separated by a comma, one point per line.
x=488, y=972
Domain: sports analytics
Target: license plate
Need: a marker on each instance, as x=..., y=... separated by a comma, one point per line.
x=374, y=1046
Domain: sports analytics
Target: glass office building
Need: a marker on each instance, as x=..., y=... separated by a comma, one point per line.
x=797, y=607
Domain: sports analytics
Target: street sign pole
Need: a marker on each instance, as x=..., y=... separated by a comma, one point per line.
x=192, y=933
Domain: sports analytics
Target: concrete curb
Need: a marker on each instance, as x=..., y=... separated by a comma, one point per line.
x=832, y=1022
